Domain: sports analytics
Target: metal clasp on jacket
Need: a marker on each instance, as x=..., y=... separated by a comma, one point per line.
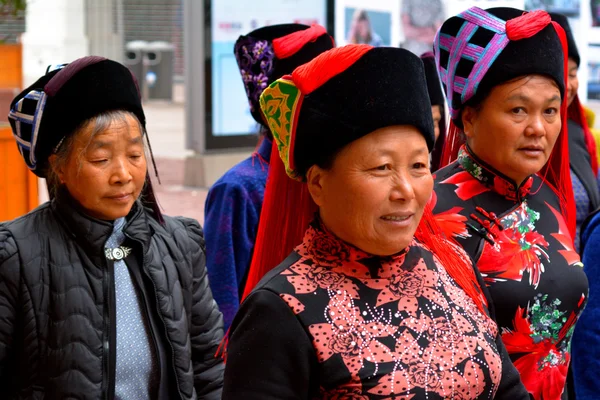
x=117, y=254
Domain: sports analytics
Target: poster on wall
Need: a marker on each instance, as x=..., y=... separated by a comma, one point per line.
x=593, y=86
x=570, y=8
x=374, y=22
x=230, y=19
x=454, y=7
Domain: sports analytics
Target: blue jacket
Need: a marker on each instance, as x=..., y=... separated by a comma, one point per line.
x=585, y=348
x=231, y=216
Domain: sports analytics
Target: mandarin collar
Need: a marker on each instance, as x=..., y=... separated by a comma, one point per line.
x=328, y=250
x=492, y=178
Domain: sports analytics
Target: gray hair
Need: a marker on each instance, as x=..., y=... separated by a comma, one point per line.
x=64, y=150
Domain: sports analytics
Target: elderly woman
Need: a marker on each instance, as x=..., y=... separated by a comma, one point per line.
x=507, y=198
x=101, y=296
x=373, y=303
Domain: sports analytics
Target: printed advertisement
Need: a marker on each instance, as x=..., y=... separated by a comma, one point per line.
x=230, y=19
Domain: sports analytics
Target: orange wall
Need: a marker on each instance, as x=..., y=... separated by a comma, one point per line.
x=10, y=67
x=18, y=185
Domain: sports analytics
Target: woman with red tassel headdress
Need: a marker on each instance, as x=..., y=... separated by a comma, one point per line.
x=505, y=192
x=373, y=302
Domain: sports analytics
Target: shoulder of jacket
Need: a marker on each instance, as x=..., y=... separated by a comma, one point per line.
x=175, y=226
x=8, y=245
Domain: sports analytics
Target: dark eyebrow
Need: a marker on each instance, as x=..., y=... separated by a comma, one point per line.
x=136, y=140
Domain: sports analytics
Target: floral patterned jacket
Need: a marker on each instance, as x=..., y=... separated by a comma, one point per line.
x=522, y=247
x=333, y=322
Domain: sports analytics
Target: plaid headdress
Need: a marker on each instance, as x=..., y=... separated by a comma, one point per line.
x=49, y=110
x=268, y=53
x=479, y=49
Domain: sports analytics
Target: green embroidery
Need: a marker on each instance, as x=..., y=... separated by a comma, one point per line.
x=470, y=166
x=523, y=221
x=546, y=319
x=279, y=103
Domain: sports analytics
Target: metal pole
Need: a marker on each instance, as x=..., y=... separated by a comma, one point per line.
x=193, y=24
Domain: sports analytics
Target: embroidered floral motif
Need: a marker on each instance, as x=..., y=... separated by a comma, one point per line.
x=255, y=59
x=470, y=166
x=451, y=221
x=543, y=333
x=400, y=324
x=518, y=248
x=328, y=251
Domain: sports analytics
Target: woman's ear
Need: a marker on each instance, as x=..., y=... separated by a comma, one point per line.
x=314, y=180
x=469, y=119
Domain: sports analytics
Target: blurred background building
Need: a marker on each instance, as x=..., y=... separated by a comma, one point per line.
x=181, y=51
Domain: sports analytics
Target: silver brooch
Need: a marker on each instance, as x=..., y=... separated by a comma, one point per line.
x=118, y=253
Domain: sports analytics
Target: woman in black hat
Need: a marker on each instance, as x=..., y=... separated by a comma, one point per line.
x=234, y=202
x=373, y=302
x=506, y=194
x=101, y=296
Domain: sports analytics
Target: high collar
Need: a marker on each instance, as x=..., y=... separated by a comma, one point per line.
x=92, y=233
x=492, y=178
x=328, y=250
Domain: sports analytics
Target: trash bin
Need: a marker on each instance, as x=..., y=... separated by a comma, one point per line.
x=134, y=56
x=159, y=59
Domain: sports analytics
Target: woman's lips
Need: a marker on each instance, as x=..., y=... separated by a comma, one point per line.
x=121, y=198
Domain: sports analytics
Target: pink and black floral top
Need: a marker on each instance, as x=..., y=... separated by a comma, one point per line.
x=522, y=247
x=333, y=322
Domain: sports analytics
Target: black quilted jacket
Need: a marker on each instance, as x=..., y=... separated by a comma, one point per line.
x=56, y=308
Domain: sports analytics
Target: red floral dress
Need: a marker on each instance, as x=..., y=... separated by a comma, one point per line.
x=522, y=247
x=354, y=326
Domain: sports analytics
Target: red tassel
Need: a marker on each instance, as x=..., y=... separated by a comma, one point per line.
x=286, y=213
x=577, y=114
x=557, y=171
x=527, y=25
x=455, y=138
x=222, y=349
x=313, y=75
x=430, y=233
x=289, y=45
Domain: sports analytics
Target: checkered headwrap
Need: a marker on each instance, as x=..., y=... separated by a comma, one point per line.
x=496, y=45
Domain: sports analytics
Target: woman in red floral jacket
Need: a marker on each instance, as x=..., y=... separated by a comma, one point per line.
x=506, y=196
x=373, y=302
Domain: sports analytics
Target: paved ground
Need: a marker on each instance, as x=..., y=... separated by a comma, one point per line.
x=166, y=130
